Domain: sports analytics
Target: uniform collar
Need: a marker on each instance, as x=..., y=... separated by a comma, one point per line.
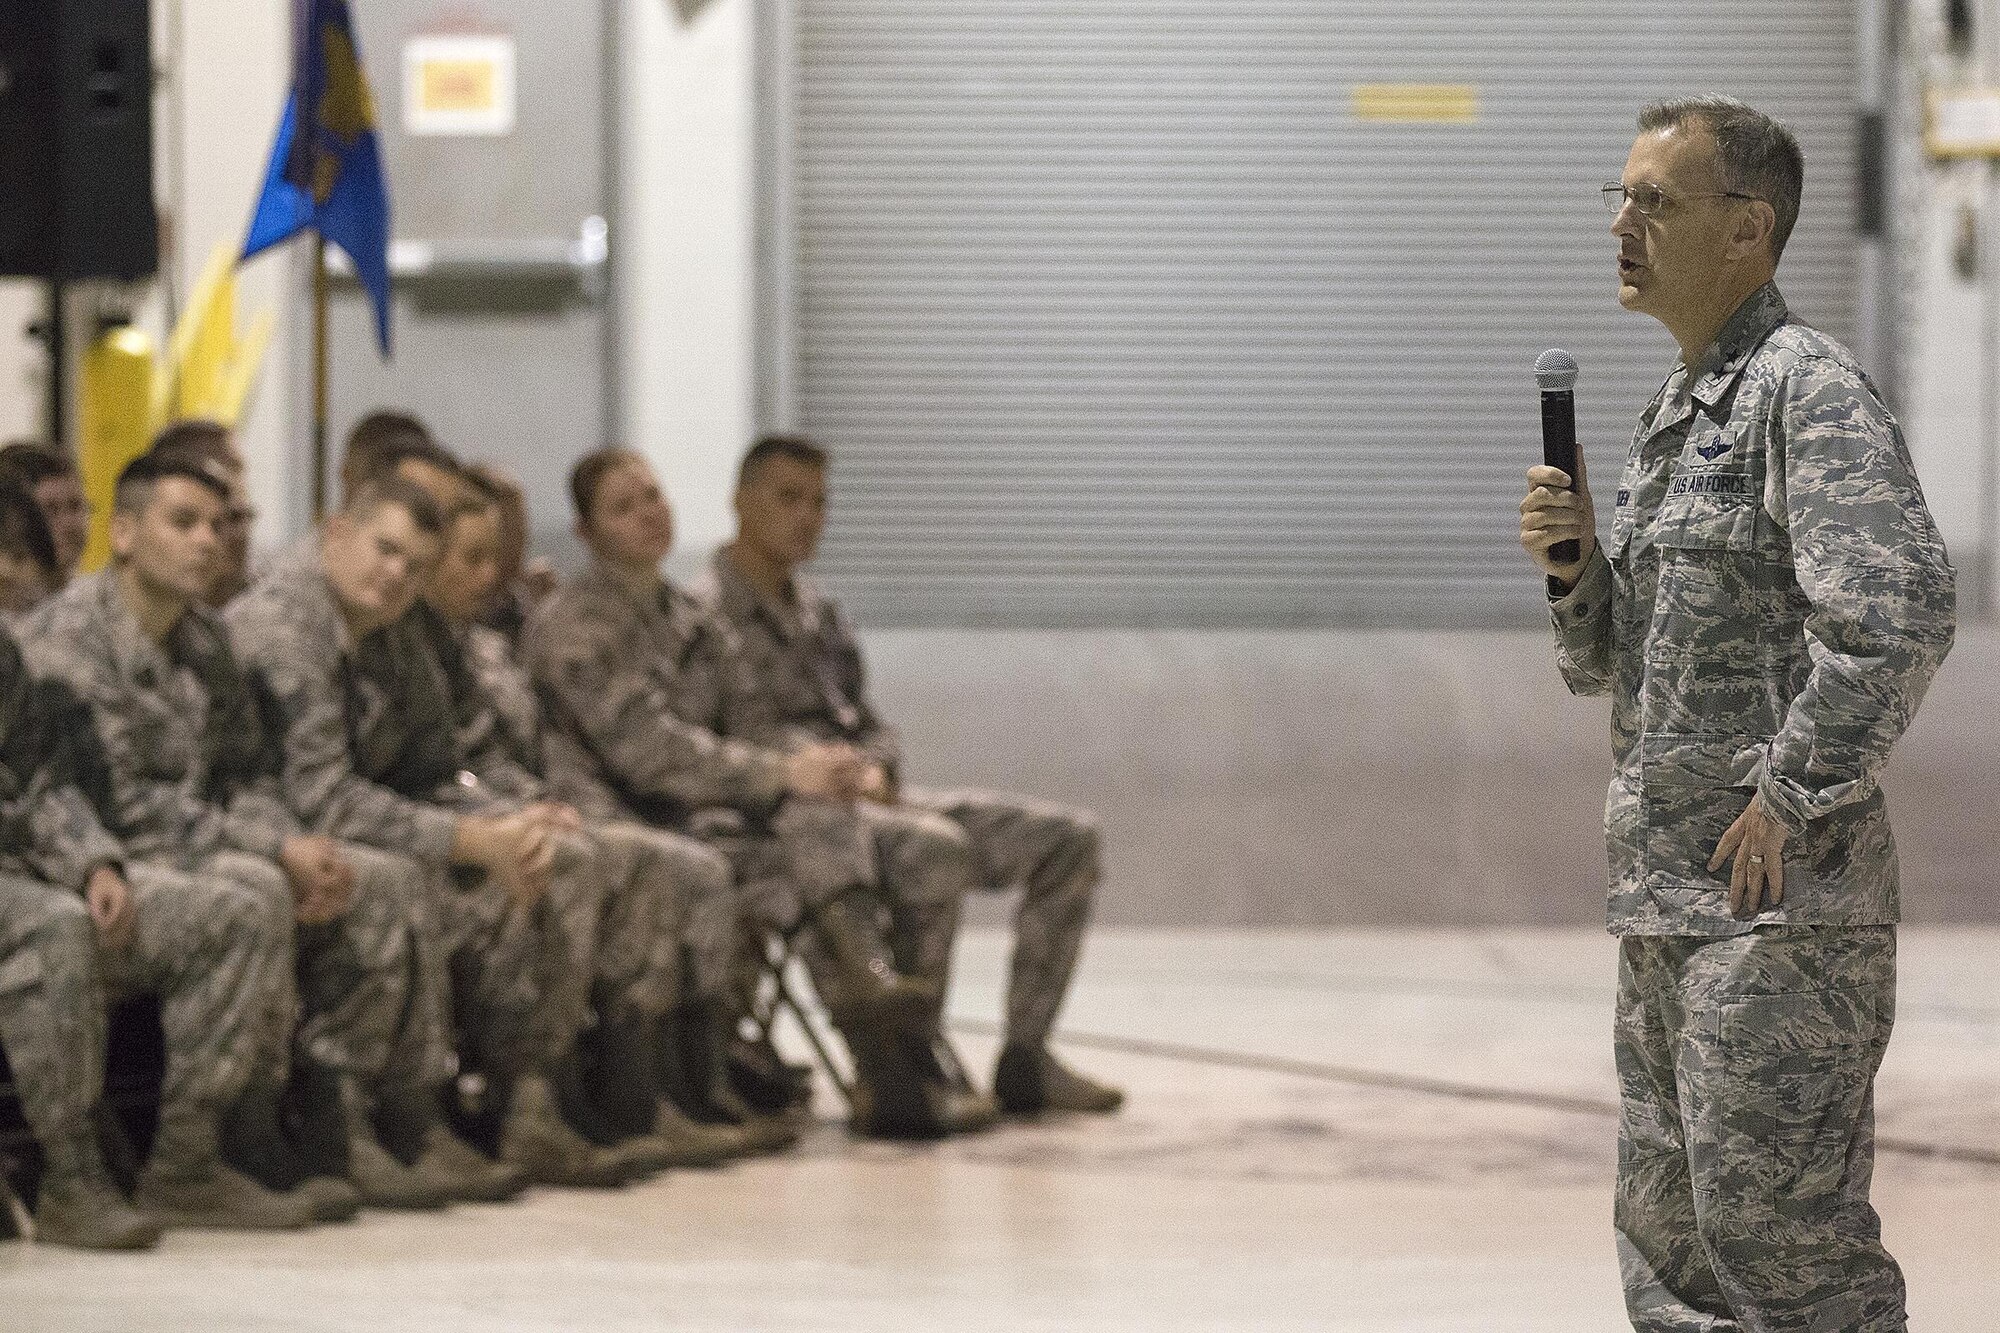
x=663, y=603
x=739, y=599
x=135, y=655
x=1741, y=334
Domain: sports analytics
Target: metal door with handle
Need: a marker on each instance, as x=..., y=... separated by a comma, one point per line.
x=501, y=248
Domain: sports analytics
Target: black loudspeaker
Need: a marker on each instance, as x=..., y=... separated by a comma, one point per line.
x=76, y=140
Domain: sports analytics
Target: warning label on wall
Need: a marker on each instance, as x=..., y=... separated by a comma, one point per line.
x=458, y=85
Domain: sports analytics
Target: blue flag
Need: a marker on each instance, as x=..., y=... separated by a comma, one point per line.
x=326, y=166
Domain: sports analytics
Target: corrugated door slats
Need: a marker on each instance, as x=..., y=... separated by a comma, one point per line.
x=1116, y=314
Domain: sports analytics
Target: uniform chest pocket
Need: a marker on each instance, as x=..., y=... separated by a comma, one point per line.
x=1721, y=520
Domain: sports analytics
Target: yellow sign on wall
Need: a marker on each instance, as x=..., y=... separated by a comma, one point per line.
x=1417, y=103
x=1962, y=122
x=458, y=85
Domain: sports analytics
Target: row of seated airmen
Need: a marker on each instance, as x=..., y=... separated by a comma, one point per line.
x=387, y=826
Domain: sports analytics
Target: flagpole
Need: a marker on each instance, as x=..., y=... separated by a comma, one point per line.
x=319, y=408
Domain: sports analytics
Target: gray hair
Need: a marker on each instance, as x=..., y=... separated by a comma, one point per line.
x=1757, y=155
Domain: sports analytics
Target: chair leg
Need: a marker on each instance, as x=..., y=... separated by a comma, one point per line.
x=787, y=999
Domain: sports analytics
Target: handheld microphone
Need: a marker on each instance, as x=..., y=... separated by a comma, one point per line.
x=1555, y=372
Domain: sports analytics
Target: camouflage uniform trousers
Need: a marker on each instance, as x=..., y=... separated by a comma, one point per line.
x=667, y=929
x=940, y=843
x=605, y=938
x=204, y=945
x=367, y=1000
x=1746, y=1144
x=808, y=854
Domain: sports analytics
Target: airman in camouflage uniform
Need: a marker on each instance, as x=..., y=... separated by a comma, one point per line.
x=647, y=697
x=194, y=785
x=370, y=755
x=673, y=897
x=804, y=663
x=77, y=920
x=1770, y=605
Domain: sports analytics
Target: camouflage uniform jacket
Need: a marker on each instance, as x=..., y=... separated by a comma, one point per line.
x=370, y=753
x=648, y=690
x=48, y=829
x=1766, y=614
x=498, y=734
x=805, y=660
x=192, y=764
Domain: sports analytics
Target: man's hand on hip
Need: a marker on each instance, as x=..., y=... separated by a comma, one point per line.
x=1757, y=841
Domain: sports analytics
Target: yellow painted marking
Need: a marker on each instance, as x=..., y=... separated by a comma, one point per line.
x=1417, y=103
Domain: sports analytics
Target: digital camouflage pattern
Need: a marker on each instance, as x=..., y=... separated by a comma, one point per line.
x=1747, y=1136
x=51, y=1004
x=804, y=661
x=646, y=702
x=1770, y=606
x=191, y=764
x=1766, y=614
x=663, y=895
x=369, y=755
x=204, y=945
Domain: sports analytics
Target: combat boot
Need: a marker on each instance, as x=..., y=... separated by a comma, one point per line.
x=892, y=1099
x=854, y=970
x=80, y=1208
x=380, y=1177
x=253, y=1140
x=765, y=1082
x=694, y=1065
x=461, y=1172
x=1029, y=1080
x=186, y=1184
x=535, y=1138
x=581, y=1101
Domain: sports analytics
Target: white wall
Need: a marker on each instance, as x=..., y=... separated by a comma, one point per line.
x=23, y=367
x=237, y=57
x=1947, y=375
x=685, y=247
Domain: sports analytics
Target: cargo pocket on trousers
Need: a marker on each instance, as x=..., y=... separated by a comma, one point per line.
x=1800, y=1067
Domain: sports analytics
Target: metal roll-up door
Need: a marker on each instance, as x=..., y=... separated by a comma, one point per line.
x=1133, y=313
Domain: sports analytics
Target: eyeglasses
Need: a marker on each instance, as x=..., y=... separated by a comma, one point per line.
x=1651, y=200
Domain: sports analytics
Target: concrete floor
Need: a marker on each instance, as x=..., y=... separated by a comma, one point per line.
x=1357, y=1131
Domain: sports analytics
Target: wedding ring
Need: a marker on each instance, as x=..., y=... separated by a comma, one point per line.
x=1756, y=860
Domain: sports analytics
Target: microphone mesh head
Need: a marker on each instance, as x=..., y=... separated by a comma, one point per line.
x=1555, y=370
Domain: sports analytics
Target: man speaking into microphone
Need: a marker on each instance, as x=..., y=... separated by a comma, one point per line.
x=1769, y=606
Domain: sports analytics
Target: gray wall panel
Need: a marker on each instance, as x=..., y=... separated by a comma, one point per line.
x=1117, y=315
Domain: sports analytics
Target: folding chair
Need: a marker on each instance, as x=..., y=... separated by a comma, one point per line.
x=785, y=990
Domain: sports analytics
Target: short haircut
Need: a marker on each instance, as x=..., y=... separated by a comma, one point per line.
x=24, y=533
x=371, y=497
x=486, y=485
x=142, y=476
x=1756, y=155
x=383, y=440
x=798, y=448
x=30, y=462
x=470, y=503
x=201, y=438
x=589, y=474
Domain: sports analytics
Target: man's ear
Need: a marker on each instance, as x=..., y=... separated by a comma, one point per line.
x=124, y=533
x=1754, y=228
